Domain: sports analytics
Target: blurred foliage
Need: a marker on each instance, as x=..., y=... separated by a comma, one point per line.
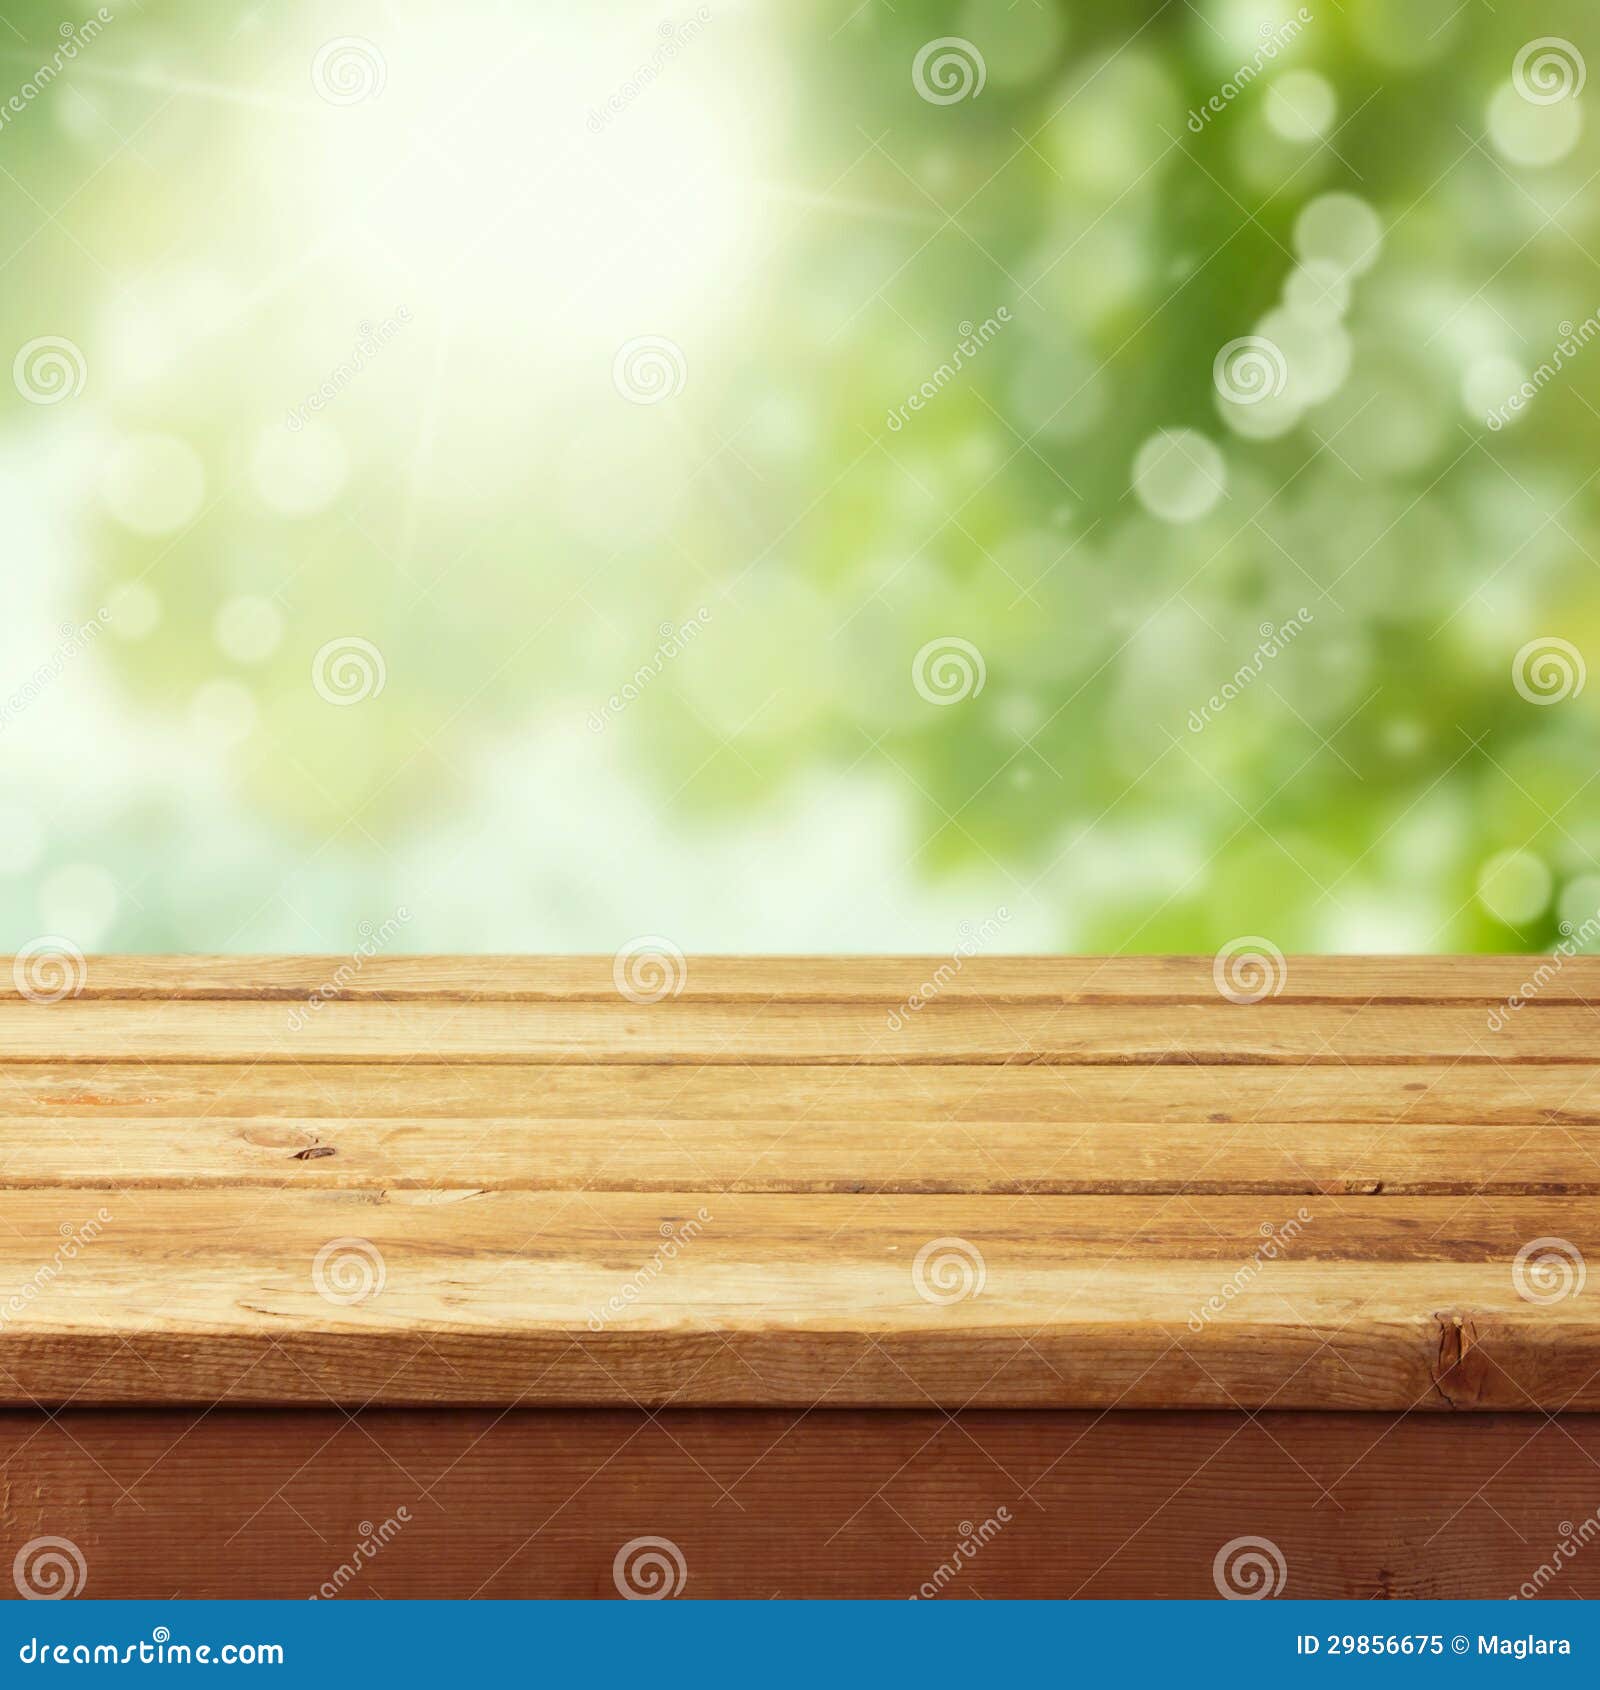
x=776, y=198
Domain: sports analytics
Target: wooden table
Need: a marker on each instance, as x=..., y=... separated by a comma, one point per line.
x=739, y=1277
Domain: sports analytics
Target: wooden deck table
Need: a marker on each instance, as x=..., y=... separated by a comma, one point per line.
x=749, y=1277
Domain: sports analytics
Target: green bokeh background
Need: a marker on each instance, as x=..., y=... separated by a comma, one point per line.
x=776, y=199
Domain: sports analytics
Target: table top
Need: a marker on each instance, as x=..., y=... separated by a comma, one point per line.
x=1244, y=1181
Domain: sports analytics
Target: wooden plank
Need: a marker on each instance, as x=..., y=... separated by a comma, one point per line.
x=1484, y=979
x=816, y=1154
x=836, y=1503
x=1176, y=1094
x=558, y=1298
x=820, y=1034
x=798, y=1128
x=514, y=1154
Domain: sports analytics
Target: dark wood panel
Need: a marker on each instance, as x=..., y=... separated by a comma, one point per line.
x=767, y=1503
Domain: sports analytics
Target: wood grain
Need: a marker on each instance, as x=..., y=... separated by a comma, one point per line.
x=514, y=1141
x=1173, y=1094
x=783, y=1127
x=836, y=1503
x=834, y=1154
x=891, y=979
x=956, y=1301
x=688, y=1031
